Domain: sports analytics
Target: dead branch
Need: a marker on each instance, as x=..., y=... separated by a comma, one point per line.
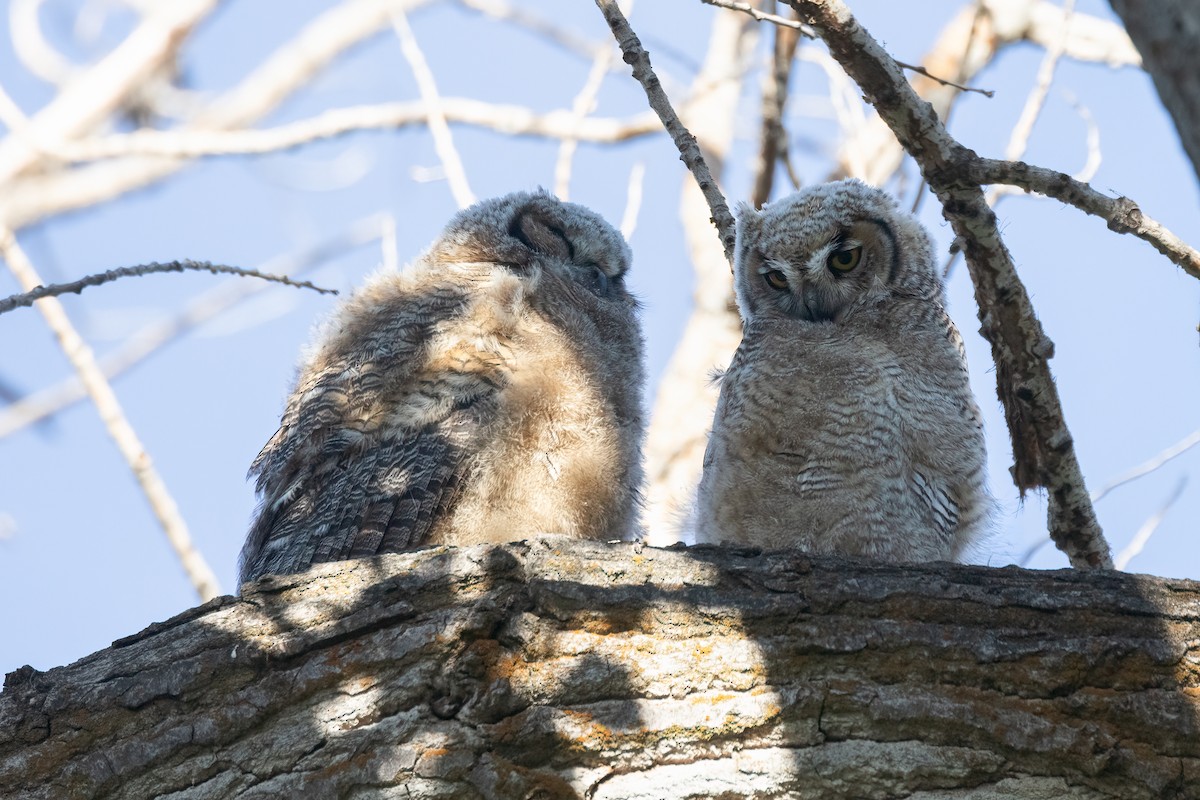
x=36, y=195
x=149, y=339
x=1122, y=214
x=506, y=119
x=75, y=287
x=443, y=141
x=689, y=151
x=1043, y=451
x=772, y=138
x=115, y=422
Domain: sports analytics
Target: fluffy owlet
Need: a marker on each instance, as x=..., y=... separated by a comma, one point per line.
x=845, y=422
x=490, y=391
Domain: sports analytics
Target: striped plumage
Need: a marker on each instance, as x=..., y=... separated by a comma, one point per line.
x=845, y=422
x=488, y=392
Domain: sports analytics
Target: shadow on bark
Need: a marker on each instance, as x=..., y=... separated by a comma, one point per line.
x=557, y=669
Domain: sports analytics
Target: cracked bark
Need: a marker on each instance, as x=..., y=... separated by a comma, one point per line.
x=559, y=669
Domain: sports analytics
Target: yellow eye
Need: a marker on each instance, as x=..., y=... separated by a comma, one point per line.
x=845, y=260
x=776, y=280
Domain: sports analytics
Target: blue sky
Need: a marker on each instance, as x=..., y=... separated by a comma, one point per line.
x=83, y=561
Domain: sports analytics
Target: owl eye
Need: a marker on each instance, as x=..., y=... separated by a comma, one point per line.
x=845, y=260
x=601, y=279
x=776, y=280
x=594, y=278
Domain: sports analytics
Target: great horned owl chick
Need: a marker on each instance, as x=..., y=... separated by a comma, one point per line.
x=845, y=422
x=490, y=391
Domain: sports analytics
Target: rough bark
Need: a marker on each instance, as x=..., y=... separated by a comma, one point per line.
x=556, y=669
x=1167, y=34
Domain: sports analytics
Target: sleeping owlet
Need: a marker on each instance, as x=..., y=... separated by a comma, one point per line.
x=490, y=391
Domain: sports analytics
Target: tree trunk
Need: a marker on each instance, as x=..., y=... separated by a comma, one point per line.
x=557, y=669
x=1167, y=34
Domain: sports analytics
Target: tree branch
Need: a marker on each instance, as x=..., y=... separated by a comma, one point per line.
x=1043, y=450
x=292, y=66
x=443, y=141
x=560, y=669
x=115, y=422
x=148, y=339
x=689, y=151
x=1122, y=214
x=75, y=287
x=772, y=138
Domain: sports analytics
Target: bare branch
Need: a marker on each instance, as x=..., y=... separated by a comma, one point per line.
x=443, y=142
x=805, y=30
x=546, y=28
x=584, y=104
x=31, y=47
x=511, y=120
x=209, y=304
x=75, y=287
x=115, y=421
x=633, y=200
x=988, y=27
x=1146, y=467
x=1138, y=542
x=1122, y=214
x=1019, y=138
x=291, y=67
x=99, y=91
x=772, y=136
x=689, y=151
x=762, y=16
x=1042, y=446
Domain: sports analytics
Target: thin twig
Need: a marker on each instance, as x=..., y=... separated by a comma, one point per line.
x=1140, y=471
x=115, y=422
x=772, y=136
x=207, y=305
x=633, y=200
x=689, y=151
x=545, y=28
x=443, y=141
x=961, y=87
x=762, y=16
x=805, y=30
x=584, y=104
x=1138, y=542
x=75, y=287
x=1146, y=467
x=1043, y=451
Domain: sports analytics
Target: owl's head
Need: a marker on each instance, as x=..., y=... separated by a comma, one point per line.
x=827, y=250
x=531, y=233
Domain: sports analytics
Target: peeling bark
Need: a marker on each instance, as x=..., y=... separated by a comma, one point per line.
x=560, y=669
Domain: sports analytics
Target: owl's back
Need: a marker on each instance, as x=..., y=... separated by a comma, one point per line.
x=490, y=392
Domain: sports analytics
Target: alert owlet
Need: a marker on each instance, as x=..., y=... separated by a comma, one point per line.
x=490, y=391
x=845, y=422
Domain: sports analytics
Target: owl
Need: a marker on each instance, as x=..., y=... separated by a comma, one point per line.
x=845, y=422
x=490, y=391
